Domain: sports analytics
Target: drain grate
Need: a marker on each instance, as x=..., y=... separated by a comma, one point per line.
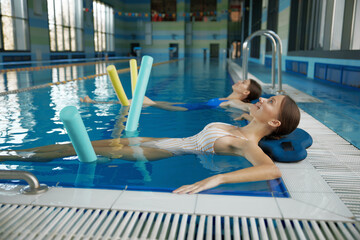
x=42, y=222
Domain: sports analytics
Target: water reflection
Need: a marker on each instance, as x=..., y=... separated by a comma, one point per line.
x=17, y=117
x=103, y=90
x=63, y=95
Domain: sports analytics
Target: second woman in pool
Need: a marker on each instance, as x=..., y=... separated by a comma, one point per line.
x=243, y=93
x=273, y=117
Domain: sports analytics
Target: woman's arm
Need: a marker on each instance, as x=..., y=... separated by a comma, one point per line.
x=245, y=116
x=263, y=169
x=147, y=102
x=235, y=103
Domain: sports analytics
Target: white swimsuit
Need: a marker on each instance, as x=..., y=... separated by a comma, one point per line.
x=202, y=142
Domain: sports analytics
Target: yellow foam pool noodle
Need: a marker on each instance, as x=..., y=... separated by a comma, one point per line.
x=134, y=74
x=115, y=80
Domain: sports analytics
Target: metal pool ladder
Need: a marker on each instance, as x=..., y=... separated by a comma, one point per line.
x=276, y=50
x=34, y=186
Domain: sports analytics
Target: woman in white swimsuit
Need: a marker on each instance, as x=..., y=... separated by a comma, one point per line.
x=273, y=117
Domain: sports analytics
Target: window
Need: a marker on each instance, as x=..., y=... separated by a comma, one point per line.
x=324, y=25
x=255, y=26
x=103, y=27
x=163, y=10
x=65, y=25
x=272, y=20
x=15, y=27
x=202, y=10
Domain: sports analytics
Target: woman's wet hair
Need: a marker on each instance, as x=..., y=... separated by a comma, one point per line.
x=255, y=91
x=289, y=117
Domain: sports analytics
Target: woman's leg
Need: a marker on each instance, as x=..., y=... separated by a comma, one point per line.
x=39, y=154
x=134, y=153
x=112, y=148
x=120, y=142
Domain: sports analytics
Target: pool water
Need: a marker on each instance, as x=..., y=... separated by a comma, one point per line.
x=31, y=119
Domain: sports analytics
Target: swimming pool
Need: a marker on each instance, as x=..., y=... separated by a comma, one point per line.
x=32, y=119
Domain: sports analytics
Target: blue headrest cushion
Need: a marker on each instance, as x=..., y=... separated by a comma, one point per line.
x=291, y=148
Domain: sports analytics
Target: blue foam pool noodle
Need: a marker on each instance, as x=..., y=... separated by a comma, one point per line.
x=78, y=135
x=140, y=89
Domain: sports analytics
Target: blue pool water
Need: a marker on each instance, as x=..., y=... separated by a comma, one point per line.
x=31, y=119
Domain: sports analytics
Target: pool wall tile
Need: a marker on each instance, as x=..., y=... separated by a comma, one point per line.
x=305, y=180
x=156, y=201
x=235, y=205
x=299, y=165
x=11, y=195
x=291, y=208
x=326, y=201
x=78, y=197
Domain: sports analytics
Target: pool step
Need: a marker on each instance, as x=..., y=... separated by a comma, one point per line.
x=44, y=222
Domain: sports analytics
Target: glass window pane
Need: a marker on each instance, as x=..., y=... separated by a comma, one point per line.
x=51, y=13
x=8, y=32
x=58, y=14
x=107, y=21
x=65, y=12
x=19, y=9
x=6, y=8
x=112, y=43
x=1, y=39
x=103, y=48
x=72, y=16
x=73, y=39
x=52, y=37
x=96, y=40
x=59, y=38
x=79, y=14
x=25, y=9
x=95, y=22
x=66, y=39
x=103, y=26
x=112, y=23
x=21, y=34
x=102, y=17
x=355, y=43
x=65, y=17
x=95, y=15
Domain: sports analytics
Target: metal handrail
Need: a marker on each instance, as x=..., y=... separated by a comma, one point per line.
x=34, y=186
x=276, y=50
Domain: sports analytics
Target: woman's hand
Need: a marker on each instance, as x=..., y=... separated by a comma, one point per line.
x=207, y=183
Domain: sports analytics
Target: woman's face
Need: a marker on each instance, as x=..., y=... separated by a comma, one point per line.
x=241, y=87
x=267, y=109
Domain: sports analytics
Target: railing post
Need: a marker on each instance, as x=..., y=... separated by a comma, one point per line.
x=276, y=50
x=273, y=59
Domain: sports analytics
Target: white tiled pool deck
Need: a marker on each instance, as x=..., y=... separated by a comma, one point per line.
x=323, y=187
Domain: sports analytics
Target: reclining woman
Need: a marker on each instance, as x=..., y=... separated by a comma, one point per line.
x=273, y=117
x=243, y=93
